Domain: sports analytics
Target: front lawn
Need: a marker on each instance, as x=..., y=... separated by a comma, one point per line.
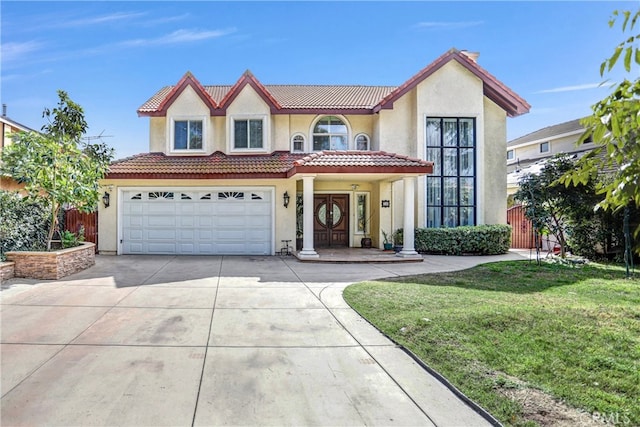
x=511, y=334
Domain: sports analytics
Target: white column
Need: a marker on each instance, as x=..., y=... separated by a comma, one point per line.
x=408, y=236
x=307, y=219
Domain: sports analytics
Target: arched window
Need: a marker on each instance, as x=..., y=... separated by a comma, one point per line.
x=330, y=133
x=362, y=142
x=297, y=143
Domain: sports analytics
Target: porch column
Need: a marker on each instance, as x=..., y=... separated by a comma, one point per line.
x=408, y=237
x=307, y=219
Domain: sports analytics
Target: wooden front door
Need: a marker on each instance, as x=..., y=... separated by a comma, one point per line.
x=331, y=220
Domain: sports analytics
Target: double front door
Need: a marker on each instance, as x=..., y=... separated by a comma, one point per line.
x=331, y=220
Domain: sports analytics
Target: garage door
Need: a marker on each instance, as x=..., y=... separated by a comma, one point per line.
x=197, y=222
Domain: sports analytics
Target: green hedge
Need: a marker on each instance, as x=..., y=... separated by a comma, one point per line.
x=478, y=240
x=24, y=224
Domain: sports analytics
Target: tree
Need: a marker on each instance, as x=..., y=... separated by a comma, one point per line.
x=57, y=165
x=614, y=127
x=554, y=208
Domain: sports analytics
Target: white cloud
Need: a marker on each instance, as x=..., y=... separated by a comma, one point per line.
x=447, y=25
x=13, y=51
x=574, y=88
x=96, y=20
x=179, y=36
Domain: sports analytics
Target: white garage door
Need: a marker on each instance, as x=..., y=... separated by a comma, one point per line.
x=197, y=222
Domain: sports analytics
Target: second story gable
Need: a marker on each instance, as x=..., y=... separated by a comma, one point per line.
x=251, y=118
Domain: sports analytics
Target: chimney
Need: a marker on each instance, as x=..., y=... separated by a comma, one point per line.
x=4, y=110
x=471, y=55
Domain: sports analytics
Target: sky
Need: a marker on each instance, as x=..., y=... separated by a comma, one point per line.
x=110, y=56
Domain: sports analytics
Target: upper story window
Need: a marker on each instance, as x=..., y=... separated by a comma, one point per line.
x=297, y=143
x=330, y=133
x=362, y=142
x=451, y=189
x=187, y=134
x=544, y=147
x=510, y=155
x=248, y=134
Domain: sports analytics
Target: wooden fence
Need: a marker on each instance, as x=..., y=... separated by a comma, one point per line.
x=522, y=236
x=75, y=219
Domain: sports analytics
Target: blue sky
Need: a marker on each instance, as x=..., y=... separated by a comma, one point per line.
x=112, y=56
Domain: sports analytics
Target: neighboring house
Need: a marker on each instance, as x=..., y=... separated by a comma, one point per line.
x=9, y=127
x=528, y=153
x=227, y=164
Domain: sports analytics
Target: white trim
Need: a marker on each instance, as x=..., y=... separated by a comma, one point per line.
x=171, y=134
x=266, y=133
x=320, y=117
x=304, y=143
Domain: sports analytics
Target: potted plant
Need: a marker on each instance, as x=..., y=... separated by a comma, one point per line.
x=397, y=240
x=388, y=245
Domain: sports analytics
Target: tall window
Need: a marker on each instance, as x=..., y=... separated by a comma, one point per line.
x=330, y=133
x=451, y=189
x=187, y=135
x=510, y=155
x=248, y=133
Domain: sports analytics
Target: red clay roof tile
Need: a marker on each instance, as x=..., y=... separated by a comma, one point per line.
x=279, y=164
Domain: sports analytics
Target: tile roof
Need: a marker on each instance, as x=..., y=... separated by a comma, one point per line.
x=549, y=132
x=358, y=159
x=279, y=164
x=334, y=98
x=296, y=96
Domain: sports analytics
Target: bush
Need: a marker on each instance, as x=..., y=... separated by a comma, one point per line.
x=24, y=224
x=479, y=240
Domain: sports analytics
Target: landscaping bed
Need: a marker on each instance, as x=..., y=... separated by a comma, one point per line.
x=534, y=345
x=52, y=265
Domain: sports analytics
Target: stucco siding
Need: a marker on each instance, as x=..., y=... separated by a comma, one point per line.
x=493, y=185
x=397, y=127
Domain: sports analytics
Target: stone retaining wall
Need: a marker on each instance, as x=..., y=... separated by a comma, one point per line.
x=53, y=265
x=7, y=271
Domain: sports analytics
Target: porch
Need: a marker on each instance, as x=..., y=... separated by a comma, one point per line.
x=346, y=255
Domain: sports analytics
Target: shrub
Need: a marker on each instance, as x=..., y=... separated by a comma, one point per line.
x=480, y=240
x=24, y=224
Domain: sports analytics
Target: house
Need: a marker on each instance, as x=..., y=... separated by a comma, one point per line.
x=528, y=153
x=231, y=169
x=9, y=127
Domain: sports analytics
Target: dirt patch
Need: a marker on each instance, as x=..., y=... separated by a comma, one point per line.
x=542, y=408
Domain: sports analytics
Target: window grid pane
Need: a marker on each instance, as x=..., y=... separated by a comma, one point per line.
x=255, y=136
x=240, y=134
x=195, y=135
x=180, y=135
x=450, y=190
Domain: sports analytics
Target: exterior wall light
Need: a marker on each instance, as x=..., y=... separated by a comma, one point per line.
x=285, y=199
x=106, y=199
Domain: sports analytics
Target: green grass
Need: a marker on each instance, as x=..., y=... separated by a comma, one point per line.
x=573, y=333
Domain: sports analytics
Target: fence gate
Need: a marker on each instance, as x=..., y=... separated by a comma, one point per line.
x=75, y=219
x=522, y=236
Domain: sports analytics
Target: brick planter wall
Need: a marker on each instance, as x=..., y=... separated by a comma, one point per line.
x=6, y=271
x=53, y=265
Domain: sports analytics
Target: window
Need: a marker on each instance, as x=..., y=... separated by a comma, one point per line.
x=248, y=134
x=451, y=189
x=544, y=147
x=362, y=207
x=510, y=155
x=362, y=142
x=330, y=133
x=187, y=135
x=297, y=144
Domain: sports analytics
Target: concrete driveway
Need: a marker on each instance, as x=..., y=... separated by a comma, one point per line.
x=182, y=341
